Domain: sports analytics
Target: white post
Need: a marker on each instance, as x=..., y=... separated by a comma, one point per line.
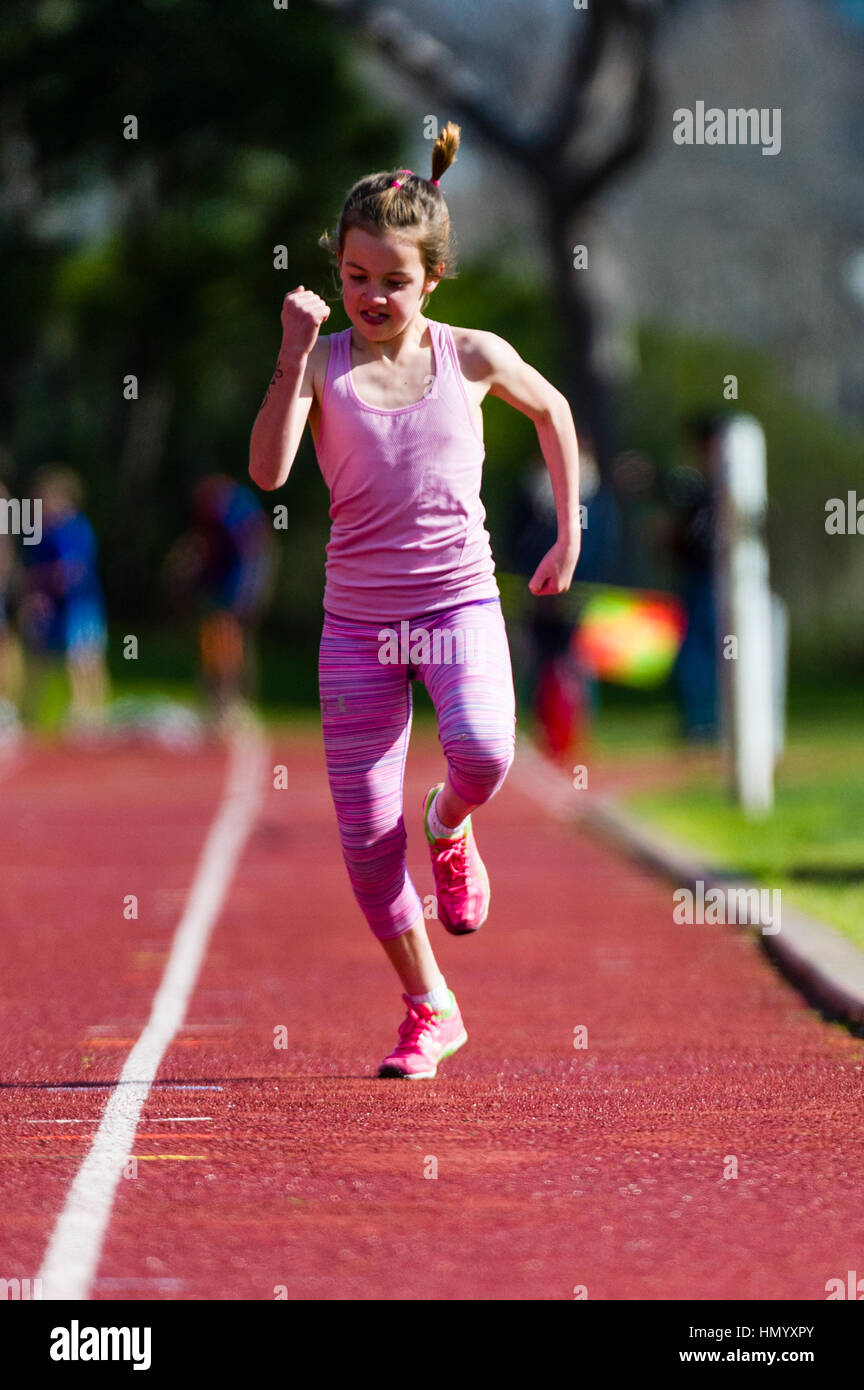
x=745, y=612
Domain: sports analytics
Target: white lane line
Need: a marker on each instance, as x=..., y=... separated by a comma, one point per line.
x=109, y=1086
x=73, y=1253
x=151, y=1119
x=11, y=762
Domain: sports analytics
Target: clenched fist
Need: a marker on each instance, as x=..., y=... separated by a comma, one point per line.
x=303, y=312
x=554, y=573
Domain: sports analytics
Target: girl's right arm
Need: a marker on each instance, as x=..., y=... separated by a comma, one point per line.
x=285, y=408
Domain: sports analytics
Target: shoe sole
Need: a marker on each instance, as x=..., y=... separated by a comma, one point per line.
x=394, y=1072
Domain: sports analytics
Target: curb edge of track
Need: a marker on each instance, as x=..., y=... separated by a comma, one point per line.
x=825, y=966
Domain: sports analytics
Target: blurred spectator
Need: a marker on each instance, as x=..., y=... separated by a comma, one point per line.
x=634, y=479
x=561, y=691
x=62, y=609
x=689, y=538
x=224, y=564
x=11, y=666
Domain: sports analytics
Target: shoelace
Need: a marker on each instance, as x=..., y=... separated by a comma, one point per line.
x=413, y=1030
x=456, y=859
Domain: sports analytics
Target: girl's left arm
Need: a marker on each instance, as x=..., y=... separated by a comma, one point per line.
x=521, y=386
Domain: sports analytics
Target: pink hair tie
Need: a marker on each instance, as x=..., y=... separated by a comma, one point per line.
x=395, y=183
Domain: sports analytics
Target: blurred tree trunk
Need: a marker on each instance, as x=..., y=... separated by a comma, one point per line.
x=599, y=122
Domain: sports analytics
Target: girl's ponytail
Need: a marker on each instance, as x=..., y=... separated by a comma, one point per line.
x=444, y=150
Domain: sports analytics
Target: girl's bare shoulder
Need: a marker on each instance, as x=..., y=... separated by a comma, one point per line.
x=481, y=353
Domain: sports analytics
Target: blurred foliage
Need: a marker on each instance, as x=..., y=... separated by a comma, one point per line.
x=155, y=256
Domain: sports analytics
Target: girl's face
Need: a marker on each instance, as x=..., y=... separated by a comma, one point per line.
x=383, y=281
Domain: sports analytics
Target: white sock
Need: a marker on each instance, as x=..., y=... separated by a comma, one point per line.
x=437, y=998
x=439, y=829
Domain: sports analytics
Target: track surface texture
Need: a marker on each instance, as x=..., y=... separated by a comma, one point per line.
x=527, y=1169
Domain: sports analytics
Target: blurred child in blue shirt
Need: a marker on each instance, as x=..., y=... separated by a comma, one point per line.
x=62, y=611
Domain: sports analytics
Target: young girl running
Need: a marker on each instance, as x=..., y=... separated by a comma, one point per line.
x=393, y=403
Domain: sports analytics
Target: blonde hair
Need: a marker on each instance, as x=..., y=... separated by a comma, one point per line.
x=377, y=205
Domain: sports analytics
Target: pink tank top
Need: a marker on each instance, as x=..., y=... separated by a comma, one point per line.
x=407, y=534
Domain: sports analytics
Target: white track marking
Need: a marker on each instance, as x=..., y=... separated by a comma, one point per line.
x=12, y=762
x=151, y=1119
x=109, y=1086
x=11, y=759
x=73, y=1253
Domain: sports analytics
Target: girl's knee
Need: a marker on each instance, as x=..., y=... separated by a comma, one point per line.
x=477, y=767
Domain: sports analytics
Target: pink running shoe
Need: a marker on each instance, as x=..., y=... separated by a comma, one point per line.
x=461, y=881
x=426, y=1037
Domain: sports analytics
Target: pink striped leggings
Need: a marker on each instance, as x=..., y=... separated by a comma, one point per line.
x=365, y=673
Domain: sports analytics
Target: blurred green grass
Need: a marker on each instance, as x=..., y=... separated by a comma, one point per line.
x=812, y=846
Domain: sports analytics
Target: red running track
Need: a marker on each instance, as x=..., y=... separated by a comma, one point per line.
x=264, y=1171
